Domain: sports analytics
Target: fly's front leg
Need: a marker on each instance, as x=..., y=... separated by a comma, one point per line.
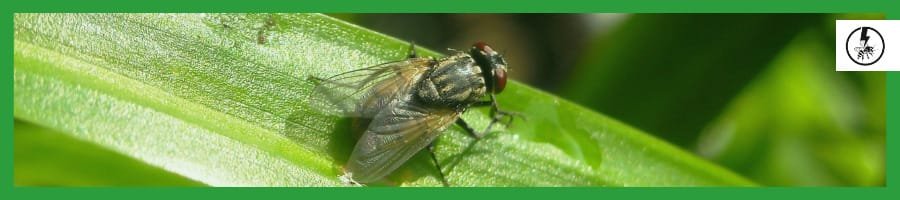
x=412, y=51
x=497, y=115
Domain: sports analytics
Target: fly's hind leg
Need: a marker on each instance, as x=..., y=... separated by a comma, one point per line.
x=437, y=165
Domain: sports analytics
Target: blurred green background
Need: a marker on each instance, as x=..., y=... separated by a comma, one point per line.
x=756, y=93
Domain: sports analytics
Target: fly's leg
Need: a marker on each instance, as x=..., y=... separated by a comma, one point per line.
x=497, y=115
x=469, y=130
x=437, y=165
x=412, y=51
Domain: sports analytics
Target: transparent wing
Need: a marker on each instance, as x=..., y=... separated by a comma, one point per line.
x=364, y=92
x=394, y=135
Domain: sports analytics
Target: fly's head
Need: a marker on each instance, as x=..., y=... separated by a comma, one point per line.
x=492, y=64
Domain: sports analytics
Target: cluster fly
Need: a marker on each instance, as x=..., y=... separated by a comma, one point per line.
x=411, y=102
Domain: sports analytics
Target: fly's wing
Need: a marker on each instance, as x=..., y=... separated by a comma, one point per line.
x=364, y=92
x=395, y=134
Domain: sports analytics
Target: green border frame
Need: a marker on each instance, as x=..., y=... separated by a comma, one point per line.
x=890, y=8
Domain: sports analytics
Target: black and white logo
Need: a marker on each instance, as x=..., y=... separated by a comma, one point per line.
x=865, y=46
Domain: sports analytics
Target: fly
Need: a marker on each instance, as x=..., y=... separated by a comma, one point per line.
x=411, y=102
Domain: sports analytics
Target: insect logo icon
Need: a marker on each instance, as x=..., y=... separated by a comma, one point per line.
x=865, y=46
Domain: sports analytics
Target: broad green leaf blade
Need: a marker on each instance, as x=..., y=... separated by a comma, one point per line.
x=222, y=99
x=47, y=158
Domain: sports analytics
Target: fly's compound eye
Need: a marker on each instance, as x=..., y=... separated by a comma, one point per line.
x=499, y=80
x=483, y=49
x=490, y=61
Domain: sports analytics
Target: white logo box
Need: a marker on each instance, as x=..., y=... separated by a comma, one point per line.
x=890, y=32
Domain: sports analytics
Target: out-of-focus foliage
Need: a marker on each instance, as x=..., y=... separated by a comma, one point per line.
x=802, y=123
x=671, y=74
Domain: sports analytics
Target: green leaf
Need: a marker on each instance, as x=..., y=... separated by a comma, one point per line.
x=45, y=157
x=222, y=99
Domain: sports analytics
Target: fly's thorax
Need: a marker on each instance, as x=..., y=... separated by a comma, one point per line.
x=455, y=81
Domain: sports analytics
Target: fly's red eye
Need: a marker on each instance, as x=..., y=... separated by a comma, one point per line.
x=483, y=47
x=480, y=45
x=499, y=80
